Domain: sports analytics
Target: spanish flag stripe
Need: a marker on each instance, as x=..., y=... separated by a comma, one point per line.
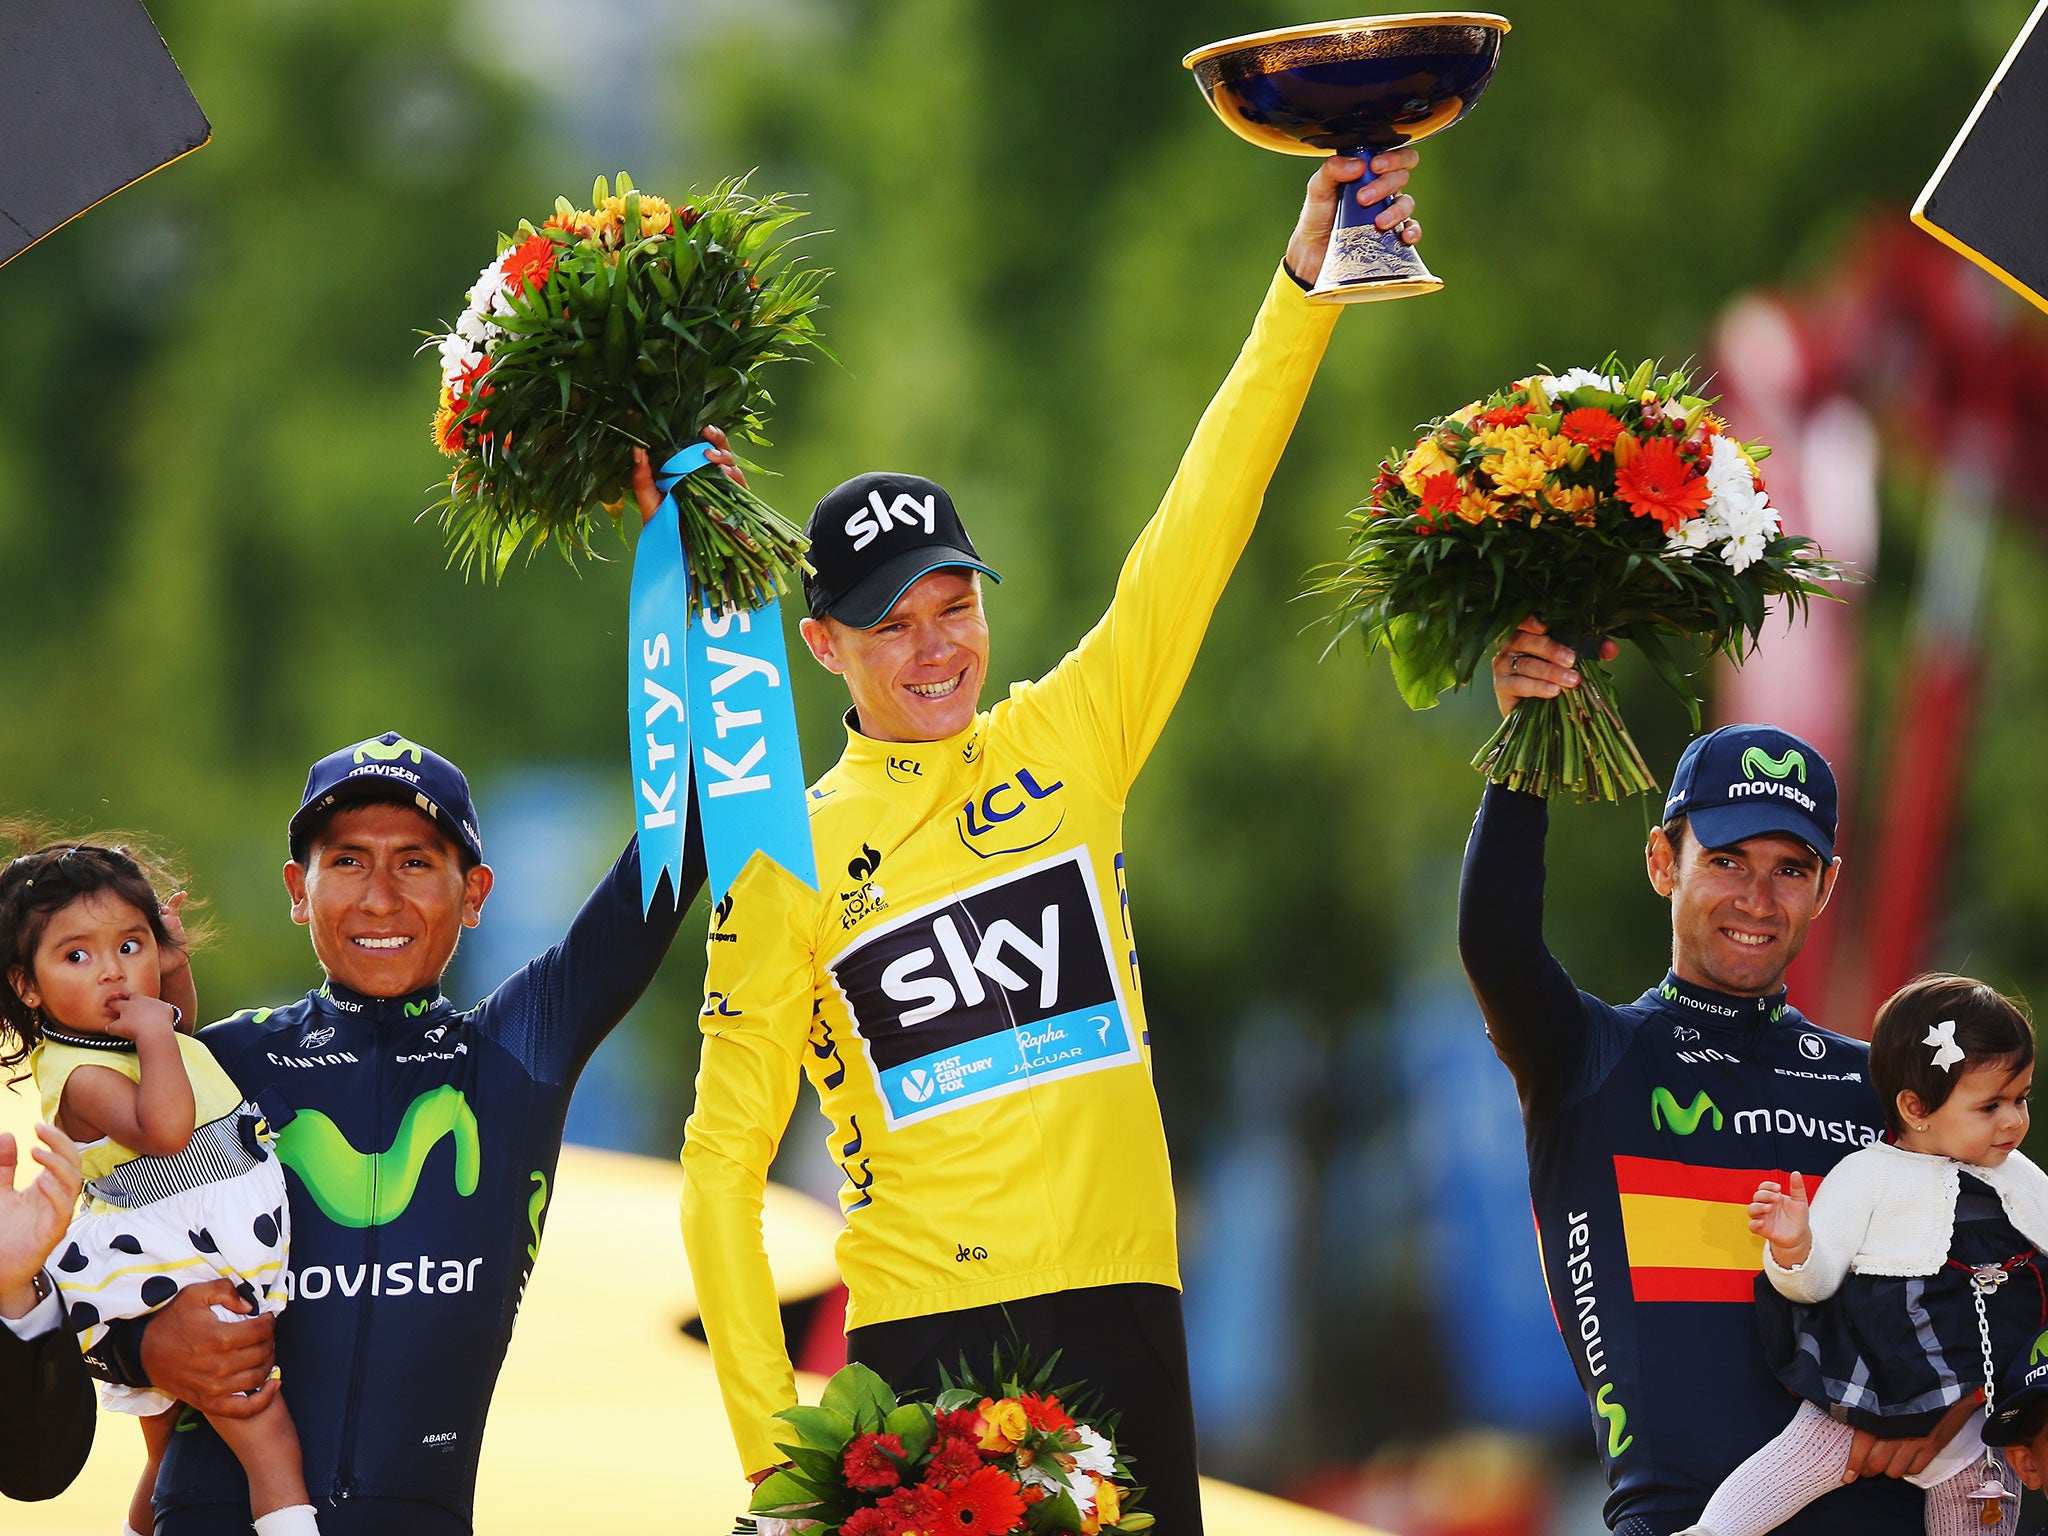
x=1687, y=1228
x=1665, y=1233
x=1658, y=1284
x=1653, y=1176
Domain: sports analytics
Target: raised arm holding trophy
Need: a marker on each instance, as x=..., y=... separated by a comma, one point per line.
x=965, y=997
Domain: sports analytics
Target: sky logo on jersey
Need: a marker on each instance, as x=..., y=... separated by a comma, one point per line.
x=1009, y=984
x=368, y=1189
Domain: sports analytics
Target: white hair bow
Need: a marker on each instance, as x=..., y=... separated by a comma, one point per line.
x=1943, y=1038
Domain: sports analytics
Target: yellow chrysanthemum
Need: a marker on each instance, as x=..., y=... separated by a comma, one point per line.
x=1426, y=458
x=1518, y=472
x=445, y=416
x=1573, y=501
x=656, y=217
x=1477, y=506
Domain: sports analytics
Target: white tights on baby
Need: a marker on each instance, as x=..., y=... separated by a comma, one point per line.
x=1807, y=1459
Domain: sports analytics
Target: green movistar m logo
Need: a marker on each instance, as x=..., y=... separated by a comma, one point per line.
x=1756, y=760
x=392, y=752
x=1667, y=1114
x=368, y=1189
x=2039, y=1352
x=1617, y=1421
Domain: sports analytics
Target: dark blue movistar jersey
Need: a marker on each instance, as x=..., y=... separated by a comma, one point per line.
x=419, y=1142
x=1648, y=1129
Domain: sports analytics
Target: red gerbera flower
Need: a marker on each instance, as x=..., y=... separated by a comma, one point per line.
x=1657, y=483
x=1440, y=494
x=1591, y=426
x=867, y=1468
x=864, y=1522
x=530, y=263
x=1045, y=1412
x=917, y=1511
x=955, y=1459
x=1508, y=415
x=962, y=1422
x=469, y=376
x=987, y=1502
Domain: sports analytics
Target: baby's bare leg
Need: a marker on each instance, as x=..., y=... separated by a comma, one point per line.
x=156, y=1435
x=268, y=1448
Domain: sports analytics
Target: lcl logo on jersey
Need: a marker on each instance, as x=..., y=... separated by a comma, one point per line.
x=874, y=519
x=1009, y=984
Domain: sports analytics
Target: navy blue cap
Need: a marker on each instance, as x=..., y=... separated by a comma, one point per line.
x=875, y=534
x=1744, y=781
x=2025, y=1387
x=389, y=767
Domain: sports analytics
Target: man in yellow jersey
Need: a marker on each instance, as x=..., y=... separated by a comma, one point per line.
x=963, y=989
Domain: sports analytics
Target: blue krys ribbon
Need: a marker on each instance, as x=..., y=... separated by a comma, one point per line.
x=729, y=673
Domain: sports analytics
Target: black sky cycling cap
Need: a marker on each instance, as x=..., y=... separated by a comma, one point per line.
x=1743, y=781
x=389, y=767
x=872, y=536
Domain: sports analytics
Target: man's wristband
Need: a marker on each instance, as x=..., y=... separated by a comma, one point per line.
x=118, y=1355
x=1296, y=277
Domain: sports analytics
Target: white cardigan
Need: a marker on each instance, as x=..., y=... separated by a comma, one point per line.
x=1887, y=1211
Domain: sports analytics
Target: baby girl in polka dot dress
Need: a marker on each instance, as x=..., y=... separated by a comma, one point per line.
x=181, y=1182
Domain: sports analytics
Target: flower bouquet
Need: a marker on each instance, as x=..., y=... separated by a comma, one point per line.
x=999, y=1457
x=1603, y=504
x=632, y=323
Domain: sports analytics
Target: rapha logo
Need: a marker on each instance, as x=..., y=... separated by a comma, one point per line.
x=865, y=899
x=874, y=519
x=316, y=1038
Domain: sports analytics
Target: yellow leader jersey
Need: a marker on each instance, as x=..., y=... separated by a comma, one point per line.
x=963, y=990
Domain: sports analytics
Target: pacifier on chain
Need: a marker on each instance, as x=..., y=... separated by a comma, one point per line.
x=1991, y=1491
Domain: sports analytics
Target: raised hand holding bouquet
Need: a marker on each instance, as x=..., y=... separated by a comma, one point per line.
x=636, y=324
x=996, y=1458
x=1604, y=505
x=628, y=324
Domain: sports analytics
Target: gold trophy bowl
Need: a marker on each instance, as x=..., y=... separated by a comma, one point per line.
x=1354, y=87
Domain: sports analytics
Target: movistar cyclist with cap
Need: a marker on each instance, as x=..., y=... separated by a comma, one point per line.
x=419, y=1141
x=963, y=991
x=1650, y=1125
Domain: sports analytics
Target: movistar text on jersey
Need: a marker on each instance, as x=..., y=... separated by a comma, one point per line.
x=1786, y=1122
x=423, y=1276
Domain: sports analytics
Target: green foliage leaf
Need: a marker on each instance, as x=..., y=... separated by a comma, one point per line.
x=861, y=1395
x=828, y=1426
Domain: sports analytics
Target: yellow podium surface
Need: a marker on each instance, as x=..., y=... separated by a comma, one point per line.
x=607, y=1416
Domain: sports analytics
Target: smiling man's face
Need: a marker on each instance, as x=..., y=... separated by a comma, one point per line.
x=385, y=895
x=916, y=674
x=1739, y=915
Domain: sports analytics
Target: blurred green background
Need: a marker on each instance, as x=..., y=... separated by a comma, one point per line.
x=214, y=448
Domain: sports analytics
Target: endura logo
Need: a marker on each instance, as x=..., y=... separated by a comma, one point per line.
x=1666, y=1114
x=368, y=1189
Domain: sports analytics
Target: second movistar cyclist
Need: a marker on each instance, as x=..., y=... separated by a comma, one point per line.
x=1650, y=1124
